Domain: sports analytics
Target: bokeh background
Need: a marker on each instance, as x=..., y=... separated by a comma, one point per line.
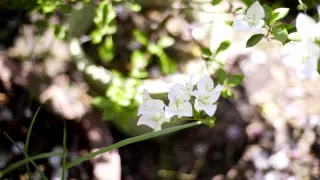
x=87, y=61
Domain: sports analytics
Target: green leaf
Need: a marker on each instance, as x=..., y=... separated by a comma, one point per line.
x=135, y=7
x=138, y=60
x=165, y=41
x=280, y=33
x=65, y=8
x=100, y=102
x=154, y=49
x=141, y=37
x=235, y=80
x=60, y=32
x=267, y=12
x=221, y=75
x=248, y=3
x=228, y=93
x=167, y=65
x=41, y=24
x=215, y=2
x=96, y=37
x=279, y=13
x=253, y=40
x=130, y=141
x=206, y=52
x=106, y=50
x=294, y=36
x=223, y=46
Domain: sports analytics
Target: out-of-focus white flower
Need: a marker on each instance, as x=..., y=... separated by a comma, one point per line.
x=307, y=27
x=152, y=112
x=273, y=175
x=252, y=21
x=280, y=160
x=206, y=95
x=179, y=101
x=303, y=57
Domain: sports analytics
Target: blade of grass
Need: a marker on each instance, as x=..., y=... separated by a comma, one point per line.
x=132, y=140
x=20, y=163
x=64, y=149
x=28, y=139
x=32, y=162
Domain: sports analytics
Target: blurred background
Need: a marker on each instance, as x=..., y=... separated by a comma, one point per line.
x=87, y=61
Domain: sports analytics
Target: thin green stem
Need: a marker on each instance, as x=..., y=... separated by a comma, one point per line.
x=32, y=162
x=64, y=149
x=28, y=139
x=20, y=163
x=132, y=140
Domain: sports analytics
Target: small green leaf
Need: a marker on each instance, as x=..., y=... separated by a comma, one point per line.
x=106, y=50
x=221, y=75
x=248, y=3
x=279, y=13
x=228, y=93
x=223, y=46
x=253, y=40
x=105, y=54
x=65, y=8
x=60, y=32
x=267, y=12
x=135, y=7
x=215, y=2
x=153, y=48
x=280, y=33
x=41, y=24
x=141, y=37
x=235, y=80
x=165, y=41
x=294, y=36
x=206, y=52
x=138, y=60
x=96, y=37
x=100, y=102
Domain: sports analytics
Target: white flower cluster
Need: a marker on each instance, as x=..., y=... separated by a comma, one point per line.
x=303, y=56
x=154, y=112
x=252, y=21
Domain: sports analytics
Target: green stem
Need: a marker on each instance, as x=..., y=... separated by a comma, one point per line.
x=64, y=149
x=28, y=139
x=32, y=162
x=20, y=163
x=132, y=140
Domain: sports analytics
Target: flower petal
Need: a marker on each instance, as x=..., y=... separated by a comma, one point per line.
x=240, y=24
x=187, y=109
x=205, y=83
x=210, y=109
x=255, y=11
x=304, y=25
x=146, y=120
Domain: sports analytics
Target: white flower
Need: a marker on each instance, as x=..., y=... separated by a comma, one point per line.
x=154, y=118
x=280, y=160
x=149, y=103
x=307, y=27
x=179, y=101
x=152, y=112
x=303, y=57
x=206, y=95
x=252, y=21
